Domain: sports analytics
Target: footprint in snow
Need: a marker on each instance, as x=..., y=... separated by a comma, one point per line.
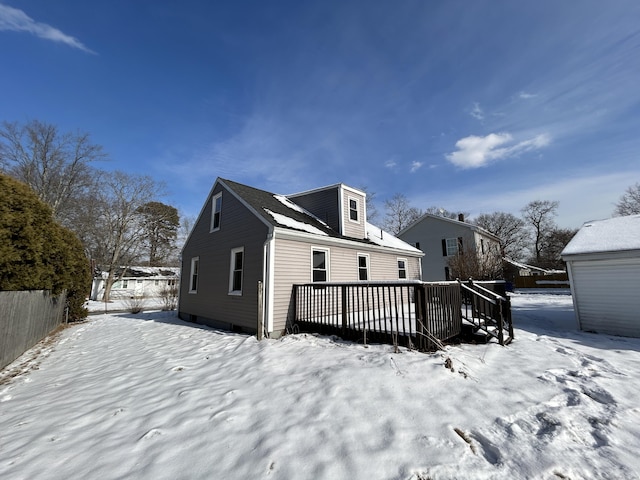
x=154, y=432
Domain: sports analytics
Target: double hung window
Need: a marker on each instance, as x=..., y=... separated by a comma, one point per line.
x=319, y=265
x=353, y=210
x=193, y=278
x=363, y=266
x=402, y=268
x=236, y=271
x=216, y=211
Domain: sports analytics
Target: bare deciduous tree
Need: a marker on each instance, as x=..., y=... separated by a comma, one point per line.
x=443, y=212
x=510, y=229
x=55, y=165
x=399, y=214
x=118, y=233
x=470, y=263
x=629, y=203
x=538, y=216
x=557, y=239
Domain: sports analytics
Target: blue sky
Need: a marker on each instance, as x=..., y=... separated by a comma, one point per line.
x=474, y=106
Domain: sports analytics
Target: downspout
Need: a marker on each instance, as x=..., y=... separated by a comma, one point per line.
x=267, y=281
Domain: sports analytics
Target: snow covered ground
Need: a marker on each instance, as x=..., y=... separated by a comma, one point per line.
x=149, y=396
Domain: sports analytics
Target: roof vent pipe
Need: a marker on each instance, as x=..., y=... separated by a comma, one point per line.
x=461, y=217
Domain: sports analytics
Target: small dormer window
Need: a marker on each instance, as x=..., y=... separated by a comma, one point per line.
x=353, y=210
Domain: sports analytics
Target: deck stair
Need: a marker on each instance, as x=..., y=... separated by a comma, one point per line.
x=485, y=314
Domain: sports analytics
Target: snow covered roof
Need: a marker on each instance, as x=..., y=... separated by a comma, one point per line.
x=281, y=211
x=525, y=266
x=137, y=271
x=612, y=235
x=385, y=239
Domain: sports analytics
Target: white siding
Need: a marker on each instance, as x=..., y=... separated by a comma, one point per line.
x=353, y=229
x=605, y=295
x=293, y=265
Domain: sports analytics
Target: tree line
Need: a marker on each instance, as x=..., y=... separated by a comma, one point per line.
x=117, y=216
x=533, y=238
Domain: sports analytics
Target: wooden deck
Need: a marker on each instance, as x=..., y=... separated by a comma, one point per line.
x=413, y=314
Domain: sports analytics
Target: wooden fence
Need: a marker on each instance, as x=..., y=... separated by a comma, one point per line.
x=25, y=319
x=413, y=314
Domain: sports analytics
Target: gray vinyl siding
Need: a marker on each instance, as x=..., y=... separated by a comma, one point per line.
x=605, y=293
x=293, y=266
x=212, y=303
x=430, y=232
x=323, y=204
x=351, y=228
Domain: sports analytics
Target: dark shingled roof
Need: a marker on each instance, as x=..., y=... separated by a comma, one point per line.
x=261, y=199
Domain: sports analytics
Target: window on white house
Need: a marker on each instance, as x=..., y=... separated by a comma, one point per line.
x=235, y=273
x=319, y=262
x=125, y=283
x=363, y=266
x=402, y=268
x=353, y=209
x=193, y=284
x=216, y=211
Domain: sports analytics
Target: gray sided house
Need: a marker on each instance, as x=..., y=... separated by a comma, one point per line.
x=603, y=262
x=442, y=238
x=245, y=236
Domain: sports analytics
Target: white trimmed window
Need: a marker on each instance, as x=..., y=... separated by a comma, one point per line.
x=236, y=271
x=451, y=246
x=125, y=283
x=193, y=278
x=363, y=266
x=353, y=210
x=319, y=265
x=216, y=211
x=402, y=268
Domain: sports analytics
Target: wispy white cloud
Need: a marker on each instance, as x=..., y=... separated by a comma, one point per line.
x=477, y=112
x=391, y=163
x=474, y=151
x=415, y=166
x=526, y=96
x=13, y=19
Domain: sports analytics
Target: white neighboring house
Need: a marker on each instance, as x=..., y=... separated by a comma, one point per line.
x=137, y=282
x=603, y=262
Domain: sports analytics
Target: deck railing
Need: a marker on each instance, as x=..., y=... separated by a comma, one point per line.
x=413, y=314
x=487, y=311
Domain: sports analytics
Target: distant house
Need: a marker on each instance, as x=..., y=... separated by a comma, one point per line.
x=245, y=237
x=441, y=239
x=603, y=261
x=522, y=275
x=136, y=282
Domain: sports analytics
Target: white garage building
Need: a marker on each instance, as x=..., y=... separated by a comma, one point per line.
x=603, y=262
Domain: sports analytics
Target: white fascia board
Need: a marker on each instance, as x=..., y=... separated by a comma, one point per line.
x=204, y=205
x=325, y=240
x=597, y=256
